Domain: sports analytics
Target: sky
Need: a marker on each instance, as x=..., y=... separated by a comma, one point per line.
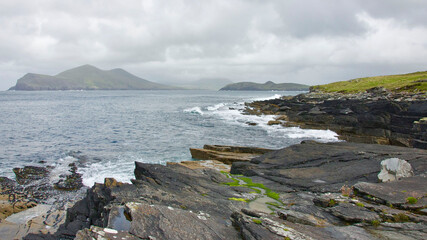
x=303, y=41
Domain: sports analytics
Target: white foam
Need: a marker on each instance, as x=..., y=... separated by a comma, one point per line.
x=121, y=169
x=232, y=113
x=97, y=172
x=195, y=110
x=267, y=98
x=216, y=107
x=61, y=167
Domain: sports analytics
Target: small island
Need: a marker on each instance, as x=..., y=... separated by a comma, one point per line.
x=87, y=77
x=268, y=86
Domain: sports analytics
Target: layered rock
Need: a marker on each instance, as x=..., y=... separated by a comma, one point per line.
x=326, y=167
x=292, y=193
x=371, y=117
x=227, y=154
x=34, y=203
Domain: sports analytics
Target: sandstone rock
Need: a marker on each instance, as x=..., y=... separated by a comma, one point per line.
x=274, y=122
x=393, y=169
x=227, y=154
x=203, y=164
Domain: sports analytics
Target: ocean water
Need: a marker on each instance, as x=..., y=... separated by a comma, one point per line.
x=110, y=130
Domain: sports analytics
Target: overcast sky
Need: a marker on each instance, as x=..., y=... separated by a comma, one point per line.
x=304, y=41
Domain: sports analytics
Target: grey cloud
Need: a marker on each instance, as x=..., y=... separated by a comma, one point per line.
x=311, y=41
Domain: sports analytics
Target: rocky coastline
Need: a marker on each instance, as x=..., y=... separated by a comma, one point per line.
x=376, y=116
x=341, y=190
x=306, y=191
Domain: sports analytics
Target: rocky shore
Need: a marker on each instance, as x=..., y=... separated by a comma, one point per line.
x=375, y=116
x=35, y=202
x=306, y=191
x=311, y=190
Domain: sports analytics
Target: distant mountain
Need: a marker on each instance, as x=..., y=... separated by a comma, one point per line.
x=207, y=83
x=87, y=77
x=268, y=86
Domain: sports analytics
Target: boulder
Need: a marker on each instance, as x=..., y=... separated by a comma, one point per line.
x=393, y=169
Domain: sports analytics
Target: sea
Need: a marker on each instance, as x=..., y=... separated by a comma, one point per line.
x=105, y=132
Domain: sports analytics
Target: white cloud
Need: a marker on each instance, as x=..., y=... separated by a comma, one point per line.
x=308, y=41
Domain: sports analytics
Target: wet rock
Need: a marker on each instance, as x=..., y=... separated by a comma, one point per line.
x=375, y=116
x=28, y=174
x=274, y=122
x=393, y=169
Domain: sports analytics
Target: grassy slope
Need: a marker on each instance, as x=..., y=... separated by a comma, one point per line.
x=410, y=82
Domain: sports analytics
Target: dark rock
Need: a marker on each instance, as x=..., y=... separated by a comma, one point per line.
x=162, y=222
x=352, y=213
x=30, y=173
x=397, y=193
x=168, y=194
x=373, y=117
x=326, y=167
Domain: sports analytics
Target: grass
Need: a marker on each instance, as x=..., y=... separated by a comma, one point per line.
x=360, y=204
x=401, y=217
x=375, y=223
x=411, y=200
x=239, y=199
x=411, y=82
x=257, y=221
x=249, y=184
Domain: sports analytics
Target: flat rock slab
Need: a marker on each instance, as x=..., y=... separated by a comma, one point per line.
x=326, y=167
x=203, y=164
x=398, y=192
x=161, y=222
x=352, y=213
x=227, y=154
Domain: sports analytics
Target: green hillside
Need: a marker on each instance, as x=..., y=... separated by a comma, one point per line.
x=268, y=86
x=87, y=77
x=411, y=82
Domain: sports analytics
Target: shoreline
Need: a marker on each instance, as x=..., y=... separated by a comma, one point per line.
x=304, y=191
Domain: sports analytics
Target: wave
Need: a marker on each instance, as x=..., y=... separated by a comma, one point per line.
x=233, y=114
x=194, y=110
x=267, y=98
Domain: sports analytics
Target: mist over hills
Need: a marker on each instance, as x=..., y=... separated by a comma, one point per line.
x=203, y=84
x=268, y=86
x=87, y=77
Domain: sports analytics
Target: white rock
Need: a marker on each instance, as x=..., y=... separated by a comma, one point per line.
x=109, y=230
x=393, y=169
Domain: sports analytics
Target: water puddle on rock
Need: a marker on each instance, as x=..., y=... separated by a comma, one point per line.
x=119, y=219
x=260, y=204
